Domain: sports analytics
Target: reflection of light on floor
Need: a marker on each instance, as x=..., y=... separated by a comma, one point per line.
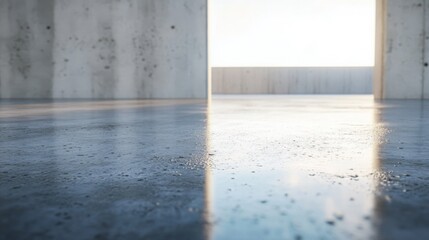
x=16, y=109
x=208, y=195
x=292, y=167
x=401, y=163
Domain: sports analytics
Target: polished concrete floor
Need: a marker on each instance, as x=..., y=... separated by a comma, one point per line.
x=240, y=167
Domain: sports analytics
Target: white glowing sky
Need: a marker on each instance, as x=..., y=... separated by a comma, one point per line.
x=292, y=32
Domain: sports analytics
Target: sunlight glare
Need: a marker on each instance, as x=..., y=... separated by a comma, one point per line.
x=292, y=33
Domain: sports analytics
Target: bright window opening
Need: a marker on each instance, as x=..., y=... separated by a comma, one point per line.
x=292, y=33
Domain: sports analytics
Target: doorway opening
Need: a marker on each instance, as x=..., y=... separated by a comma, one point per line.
x=292, y=47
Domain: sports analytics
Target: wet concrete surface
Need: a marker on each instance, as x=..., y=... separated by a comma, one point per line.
x=240, y=167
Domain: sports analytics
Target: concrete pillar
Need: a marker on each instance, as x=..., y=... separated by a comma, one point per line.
x=402, y=49
x=103, y=49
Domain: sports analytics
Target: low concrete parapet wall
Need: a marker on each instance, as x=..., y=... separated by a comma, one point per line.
x=292, y=80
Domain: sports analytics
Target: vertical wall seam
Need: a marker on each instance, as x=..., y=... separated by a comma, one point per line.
x=209, y=69
x=53, y=40
x=424, y=50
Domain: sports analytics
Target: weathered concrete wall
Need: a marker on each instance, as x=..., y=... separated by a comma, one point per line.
x=26, y=61
x=402, y=49
x=103, y=49
x=292, y=80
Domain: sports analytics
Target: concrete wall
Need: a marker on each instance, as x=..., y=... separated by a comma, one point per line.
x=292, y=80
x=402, y=47
x=103, y=49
